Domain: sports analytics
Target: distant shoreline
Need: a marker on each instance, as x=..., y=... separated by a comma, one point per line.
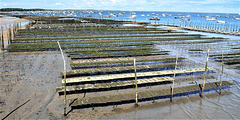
x=39, y=9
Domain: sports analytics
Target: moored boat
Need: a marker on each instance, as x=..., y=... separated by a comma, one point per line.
x=107, y=16
x=178, y=17
x=154, y=18
x=220, y=21
x=186, y=19
x=211, y=18
x=132, y=17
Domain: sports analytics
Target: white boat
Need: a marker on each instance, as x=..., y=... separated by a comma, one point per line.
x=142, y=15
x=237, y=18
x=163, y=15
x=185, y=19
x=211, y=18
x=132, y=17
x=114, y=15
x=154, y=18
x=220, y=21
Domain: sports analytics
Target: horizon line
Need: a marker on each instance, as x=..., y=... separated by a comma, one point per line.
x=119, y=10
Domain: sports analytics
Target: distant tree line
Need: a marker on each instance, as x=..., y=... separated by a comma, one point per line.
x=20, y=9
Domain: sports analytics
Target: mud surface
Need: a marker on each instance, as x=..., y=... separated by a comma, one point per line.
x=30, y=76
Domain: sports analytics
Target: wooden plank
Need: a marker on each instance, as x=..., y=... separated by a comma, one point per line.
x=131, y=75
x=142, y=94
x=112, y=84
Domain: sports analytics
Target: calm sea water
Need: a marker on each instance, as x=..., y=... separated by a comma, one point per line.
x=220, y=20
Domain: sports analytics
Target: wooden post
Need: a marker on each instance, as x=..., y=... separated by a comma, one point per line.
x=2, y=40
x=174, y=75
x=203, y=85
x=64, y=63
x=135, y=71
x=10, y=36
x=221, y=74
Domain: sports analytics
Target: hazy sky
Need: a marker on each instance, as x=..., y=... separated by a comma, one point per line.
x=213, y=6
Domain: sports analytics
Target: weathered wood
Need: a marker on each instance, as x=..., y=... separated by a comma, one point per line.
x=131, y=75
x=174, y=75
x=64, y=66
x=2, y=40
x=136, y=82
x=204, y=77
x=143, y=95
x=121, y=61
x=221, y=74
x=119, y=69
x=112, y=85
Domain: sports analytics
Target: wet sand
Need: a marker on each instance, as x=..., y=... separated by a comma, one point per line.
x=31, y=76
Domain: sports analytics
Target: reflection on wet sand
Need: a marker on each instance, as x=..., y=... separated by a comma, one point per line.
x=190, y=107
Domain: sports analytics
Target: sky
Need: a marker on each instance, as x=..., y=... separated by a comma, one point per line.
x=208, y=6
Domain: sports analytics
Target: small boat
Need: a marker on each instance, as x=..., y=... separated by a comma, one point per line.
x=211, y=18
x=186, y=19
x=237, y=18
x=178, y=17
x=220, y=21
x=163, y=15
x=154, y=18
x=107, y=16
x=201, y=16
x=142, y=15
x=89, y=15
x=132, y=17
x=188, y=16
x=114, y=15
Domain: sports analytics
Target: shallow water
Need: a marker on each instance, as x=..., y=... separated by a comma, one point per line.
x=211, y=106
